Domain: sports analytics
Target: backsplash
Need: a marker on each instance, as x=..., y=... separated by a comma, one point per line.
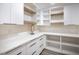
x=13, y=29
x=60, y=28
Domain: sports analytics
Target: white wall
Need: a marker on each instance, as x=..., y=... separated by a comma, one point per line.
x=71, y=14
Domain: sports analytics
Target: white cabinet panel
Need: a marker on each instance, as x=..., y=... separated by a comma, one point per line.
x=11, y=13
x=4, y=12
x=17, y=12
x=71, y=14
x=33, y=47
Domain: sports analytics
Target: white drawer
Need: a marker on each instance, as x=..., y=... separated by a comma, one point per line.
x=40, y=49
x=42, y=40
x=33, y=46
x=17, y=51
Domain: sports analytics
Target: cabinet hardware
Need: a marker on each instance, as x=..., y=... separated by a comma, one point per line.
x=32, y=44
x=33, y=52
x=41, y=39
x=19, y=53
x=41, y=45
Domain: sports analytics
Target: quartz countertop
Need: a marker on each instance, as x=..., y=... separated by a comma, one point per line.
x=22, y=38
x=15, y=41
x=62, y=34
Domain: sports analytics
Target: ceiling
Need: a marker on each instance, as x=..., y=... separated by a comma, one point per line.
x=44, y=6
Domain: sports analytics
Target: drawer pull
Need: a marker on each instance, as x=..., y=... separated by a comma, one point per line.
x=32, y=44
x=41, y=39
x=33, y=52
x=19, y=53
x=41, y=45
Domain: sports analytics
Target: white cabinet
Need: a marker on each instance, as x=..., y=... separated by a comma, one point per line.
x=11, y=13
x=4, y=13
x=71, y=14
x=17, y=13
x=34, y=47
x=17, y=51
x=63, y=44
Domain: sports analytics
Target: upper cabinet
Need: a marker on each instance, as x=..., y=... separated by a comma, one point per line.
x=17, y=13
x=5, y=13
x=11, y=13
x=71, y=14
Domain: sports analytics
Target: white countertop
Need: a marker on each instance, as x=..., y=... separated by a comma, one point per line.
x=21, y=38
x=13, y=42
x=62, y=34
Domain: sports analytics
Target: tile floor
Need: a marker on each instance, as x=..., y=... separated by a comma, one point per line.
x=48, y=52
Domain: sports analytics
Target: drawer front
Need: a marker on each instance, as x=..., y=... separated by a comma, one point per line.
x=32, y=47
x=17, y=51
x=39, y=50
x=71, y=40
x=42, y=40
x=31, y=44
x=41, y=47
x=32, y=50
x=53, y=38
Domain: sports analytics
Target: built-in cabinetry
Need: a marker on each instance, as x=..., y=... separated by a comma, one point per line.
x=71, y=14
x=57, y=14
x=34, y=47
x=42, y=17
x=29, y=12
x=63, y=44
x=11, y=13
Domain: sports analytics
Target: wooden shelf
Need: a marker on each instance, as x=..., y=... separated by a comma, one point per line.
x=68, y=52
x=29, y=10
x=53, y=41
x=59, y=50
x=56, y=10
x=73, y=45
x=57, y=21
x=53, y=49
x=57, y=13
x=31, y=22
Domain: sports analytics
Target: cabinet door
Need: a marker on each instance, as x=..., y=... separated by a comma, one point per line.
x=71, y=14
x=17, y=13
x=4, y=13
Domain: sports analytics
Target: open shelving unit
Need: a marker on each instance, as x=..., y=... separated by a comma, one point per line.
x=43, y=18
x=30, y=12
x=63, y=44
x=57, y=14
x=57, y=21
